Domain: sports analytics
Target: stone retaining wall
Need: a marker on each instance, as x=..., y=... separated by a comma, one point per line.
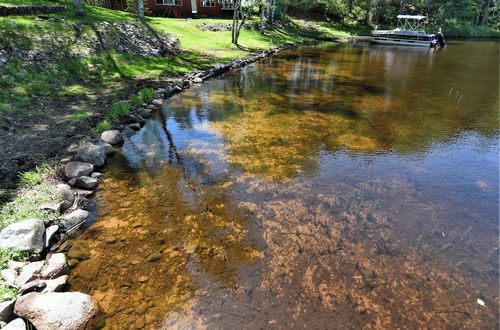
x=30, y=10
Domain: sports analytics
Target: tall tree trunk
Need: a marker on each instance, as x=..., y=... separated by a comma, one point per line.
x=350, y=6
x=271, y=11
x=380, y=8
x=261, y=23
x=78, y=7
x=283, y=14
x=479, y=11
x=140, y=9
x=368, y=12
x=235, y=23
x=484, y=20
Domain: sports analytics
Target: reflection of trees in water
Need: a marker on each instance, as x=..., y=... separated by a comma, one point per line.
x=276, y=117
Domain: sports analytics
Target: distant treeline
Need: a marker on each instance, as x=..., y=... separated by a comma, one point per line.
x=455, y=14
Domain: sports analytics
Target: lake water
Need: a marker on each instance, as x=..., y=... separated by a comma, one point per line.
x=346, y=186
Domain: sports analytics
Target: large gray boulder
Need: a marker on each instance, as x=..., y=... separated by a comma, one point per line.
x=74, y=219
x=25, y=235
x=17, y=324
x=58, y=310
x=112, y=137
x=92, y=154
x=77, y=169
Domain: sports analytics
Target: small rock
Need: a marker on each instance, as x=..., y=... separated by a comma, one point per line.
x=92, y=154
x=25, y=235
x=17, y=324
x=30, y=272
x=56, y=285
x=108, y=148
x=66, y=159
x=63, y=192
x=97, y=175
x=143, y=279
x=54, y=207
x=7, y=310
x=9, y=275
x=197, y=80
x=112, y=137
x=73, y=262
x=157, y=102
x=154, y=257
x=145, y=113
x=49, y=234
x=74, y=219
x=128, y=132
x=15, y=265
x=80, y=250
x=58, y=310
x=72, y=182
x=56, y=265
x=33, y=286
x=135, y=126
x=109, y=240
x=77, y=169
x=86, y=182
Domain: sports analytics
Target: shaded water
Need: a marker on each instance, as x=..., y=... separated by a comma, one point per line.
x=332, y=187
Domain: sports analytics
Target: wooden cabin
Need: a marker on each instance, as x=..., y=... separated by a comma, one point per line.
x=184, y=8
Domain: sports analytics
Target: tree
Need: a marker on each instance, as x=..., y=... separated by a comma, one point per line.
x=237, y=25
x=485, y=15
x=140, y=9
x=262, y=9
x=78, y=7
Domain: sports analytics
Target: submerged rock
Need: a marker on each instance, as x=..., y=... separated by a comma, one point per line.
x=58, y=310
x=76, y=169
x=92, y=154
x=80, y=250
x=112, y=137
x=25, y=235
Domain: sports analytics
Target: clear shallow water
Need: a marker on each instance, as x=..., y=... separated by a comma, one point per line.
x=333, y=187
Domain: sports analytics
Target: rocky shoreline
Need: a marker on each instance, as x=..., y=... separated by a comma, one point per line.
x=43, y=302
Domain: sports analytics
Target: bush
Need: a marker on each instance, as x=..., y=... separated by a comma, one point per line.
x=147, y=94
x=101, y=127
x=135, y=101
x=118, y=110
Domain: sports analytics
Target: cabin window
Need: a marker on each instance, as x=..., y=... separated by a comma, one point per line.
x=169, y=2
x=208, y=3
x=227, y=4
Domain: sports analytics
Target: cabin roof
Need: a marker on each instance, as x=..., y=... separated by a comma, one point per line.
x=412, y=17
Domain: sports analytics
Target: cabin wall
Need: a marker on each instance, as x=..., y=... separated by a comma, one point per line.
x=184, y=8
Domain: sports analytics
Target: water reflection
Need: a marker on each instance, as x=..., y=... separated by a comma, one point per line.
x=367, y=177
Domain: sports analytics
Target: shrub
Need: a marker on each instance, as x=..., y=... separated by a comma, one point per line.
x=135, y=101
x=118, y=110
x=147, y=94
x=101, y=127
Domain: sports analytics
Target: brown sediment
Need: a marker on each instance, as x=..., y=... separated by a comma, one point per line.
x=152, y=228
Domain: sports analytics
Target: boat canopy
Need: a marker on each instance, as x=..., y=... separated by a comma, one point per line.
x=412, y=17
x=411, y=22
